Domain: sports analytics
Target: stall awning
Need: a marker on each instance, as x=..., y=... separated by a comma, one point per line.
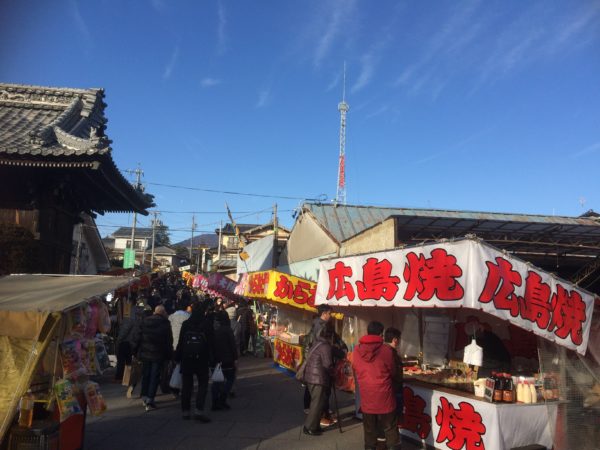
x=27, y=300
x=463, y=273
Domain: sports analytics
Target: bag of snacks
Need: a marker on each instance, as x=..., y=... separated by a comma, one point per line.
x=76, y=320
x=94, y=398
x=103, y=318
x=71, y=359
x=101, y=355
x=66, y=400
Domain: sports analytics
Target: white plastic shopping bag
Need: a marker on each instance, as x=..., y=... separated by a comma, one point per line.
x=175, y=381
x=473, y=354
x=217, y=375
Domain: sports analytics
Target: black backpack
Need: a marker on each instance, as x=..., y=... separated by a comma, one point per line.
x=195, y=345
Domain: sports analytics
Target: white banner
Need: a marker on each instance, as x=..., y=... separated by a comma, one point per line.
x=450, y=421
x=465, y=273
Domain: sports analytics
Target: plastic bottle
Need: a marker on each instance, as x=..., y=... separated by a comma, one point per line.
x=498, y=388
x=526, y=393
x=520, y=391
x=26, y=410
x=508, y=390
x=533, y=392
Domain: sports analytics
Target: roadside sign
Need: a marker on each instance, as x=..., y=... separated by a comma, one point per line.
x=129, y=258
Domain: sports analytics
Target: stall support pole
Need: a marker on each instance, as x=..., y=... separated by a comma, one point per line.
x=337, y=409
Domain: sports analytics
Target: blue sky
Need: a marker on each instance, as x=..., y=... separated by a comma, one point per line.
x=486, y=106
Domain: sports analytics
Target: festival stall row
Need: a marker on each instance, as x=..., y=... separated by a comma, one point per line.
x=294, y=300
x=444, y=295
x=51, y=344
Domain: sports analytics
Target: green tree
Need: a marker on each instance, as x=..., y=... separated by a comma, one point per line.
x=161, y=234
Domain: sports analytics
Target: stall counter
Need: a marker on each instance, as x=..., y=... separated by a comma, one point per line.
x=447, y=419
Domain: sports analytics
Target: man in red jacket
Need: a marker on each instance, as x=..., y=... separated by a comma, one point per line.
x=374, y=367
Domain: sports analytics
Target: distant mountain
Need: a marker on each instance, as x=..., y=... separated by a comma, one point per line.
x=209, y=240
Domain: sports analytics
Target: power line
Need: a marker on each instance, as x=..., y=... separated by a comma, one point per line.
x=216, y=191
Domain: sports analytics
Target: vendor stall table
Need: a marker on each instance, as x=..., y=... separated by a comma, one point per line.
x=448, y=419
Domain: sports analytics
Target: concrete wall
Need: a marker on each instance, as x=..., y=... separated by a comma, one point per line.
x=307, y=241
x=380, y=237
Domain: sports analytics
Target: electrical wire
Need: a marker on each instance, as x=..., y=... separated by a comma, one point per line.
x=216, y=191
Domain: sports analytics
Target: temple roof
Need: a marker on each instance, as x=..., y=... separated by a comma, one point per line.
x=64, y=128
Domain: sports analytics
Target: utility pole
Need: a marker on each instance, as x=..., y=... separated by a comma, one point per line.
x=275, y=244
x=138, y=172
x=220, y=234
x=78, y=249
x=153, y=237
x=192, y=241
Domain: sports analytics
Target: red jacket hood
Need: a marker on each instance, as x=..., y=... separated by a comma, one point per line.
x=369, y=347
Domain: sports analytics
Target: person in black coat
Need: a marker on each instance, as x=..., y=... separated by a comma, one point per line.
x=153, y=345
x=226, y=353
x=195, y=353
x=317, y=375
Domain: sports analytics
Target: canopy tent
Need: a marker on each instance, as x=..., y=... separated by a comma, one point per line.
x=31, y=307
x=463, y=273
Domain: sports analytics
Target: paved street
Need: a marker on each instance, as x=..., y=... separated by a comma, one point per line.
x=266, y=414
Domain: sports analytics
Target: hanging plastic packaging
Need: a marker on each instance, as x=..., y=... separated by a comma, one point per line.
x=65, y=399
x=94, y=399
x=473, y=354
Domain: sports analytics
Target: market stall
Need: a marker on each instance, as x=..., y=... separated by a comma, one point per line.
x=49, y=344
x=293, y=299
x=444, y=296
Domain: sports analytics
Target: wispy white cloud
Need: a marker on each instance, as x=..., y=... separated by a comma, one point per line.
x=210, y=82
x=171, y=64
x=587, y=150
x=381, y=110
x=263, y=98
x=159, y=5
x=576, y=25
x=221, y=30
x=540, y=33
x=329, y=26
x=458, y=32
x=429, y=158
x=334, y=82
x=80, y=22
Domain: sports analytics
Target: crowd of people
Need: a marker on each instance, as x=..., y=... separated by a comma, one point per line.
x=178, y=329
x=175, y=328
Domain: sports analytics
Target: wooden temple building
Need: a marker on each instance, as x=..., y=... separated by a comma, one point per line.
x=55, y=163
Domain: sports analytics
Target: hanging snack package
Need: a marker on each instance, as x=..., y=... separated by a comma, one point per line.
x=65, y=399
x=103, y=318
x=76, y=322
x=88, y=353
x=91, y=327
x=71, y=359
x=94, y=398
x=101, y=355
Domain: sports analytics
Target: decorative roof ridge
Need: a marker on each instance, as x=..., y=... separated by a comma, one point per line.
x=46, y=135
x=21, y=88
x=95, y=144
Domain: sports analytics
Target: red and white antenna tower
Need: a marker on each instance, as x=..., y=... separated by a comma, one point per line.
x=341, y=180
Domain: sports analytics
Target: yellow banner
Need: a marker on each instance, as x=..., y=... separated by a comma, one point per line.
x=282, y=288
x=287, y=355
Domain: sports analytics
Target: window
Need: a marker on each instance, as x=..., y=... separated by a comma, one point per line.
x=232, y=242
x=138, y=244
